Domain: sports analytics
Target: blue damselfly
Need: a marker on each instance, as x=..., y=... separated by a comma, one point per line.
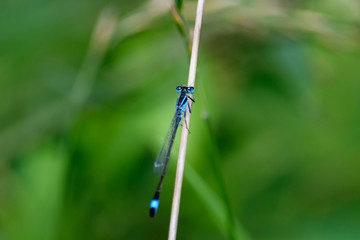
x=162, y=160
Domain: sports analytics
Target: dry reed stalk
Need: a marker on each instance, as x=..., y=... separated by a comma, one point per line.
x=184, y=133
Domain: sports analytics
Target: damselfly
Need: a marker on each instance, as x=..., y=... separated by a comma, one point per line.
x=162, y=160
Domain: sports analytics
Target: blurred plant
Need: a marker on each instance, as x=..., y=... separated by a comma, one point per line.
x=181, y=24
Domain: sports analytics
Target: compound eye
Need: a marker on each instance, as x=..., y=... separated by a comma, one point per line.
x=178, y=89
x=190, y=90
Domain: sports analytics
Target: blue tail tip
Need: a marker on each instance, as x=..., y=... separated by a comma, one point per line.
x=154, y=205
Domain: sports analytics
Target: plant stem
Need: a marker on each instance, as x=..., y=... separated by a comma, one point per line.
x=184, y=133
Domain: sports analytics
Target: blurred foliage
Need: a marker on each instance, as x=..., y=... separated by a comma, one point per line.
x=88, y=91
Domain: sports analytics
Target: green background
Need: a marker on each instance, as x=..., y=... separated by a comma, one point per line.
x=275, y=137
